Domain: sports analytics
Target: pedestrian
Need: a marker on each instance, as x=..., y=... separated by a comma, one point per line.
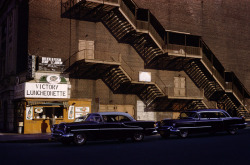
x=52, y=121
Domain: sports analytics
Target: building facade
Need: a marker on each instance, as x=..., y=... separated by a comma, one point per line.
x=64, y=59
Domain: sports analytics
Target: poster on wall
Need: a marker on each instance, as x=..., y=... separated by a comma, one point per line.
x=79, y=115
x=71, y=112
x=82, y=109
x=29, y=113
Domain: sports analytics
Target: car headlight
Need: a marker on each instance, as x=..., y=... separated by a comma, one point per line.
x=156, y=125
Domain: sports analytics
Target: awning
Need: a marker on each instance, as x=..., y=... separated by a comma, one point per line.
x=47, y=103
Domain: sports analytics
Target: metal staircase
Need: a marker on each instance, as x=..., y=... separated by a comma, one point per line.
x=160, y=49
x=124, y=32
x=116, y=78
x=196, y=71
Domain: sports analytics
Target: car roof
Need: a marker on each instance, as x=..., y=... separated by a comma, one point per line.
x=114, y=113
x=206, y=110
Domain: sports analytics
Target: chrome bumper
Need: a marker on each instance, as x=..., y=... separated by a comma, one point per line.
x=169, y=129
x=60, y=135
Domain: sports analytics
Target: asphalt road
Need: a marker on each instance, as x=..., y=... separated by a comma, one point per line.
x=199, y=149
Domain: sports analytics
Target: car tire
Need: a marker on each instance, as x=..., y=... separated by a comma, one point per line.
x=138, y=137
x=183, y=133
x=232, y=131
x=80, y=139
x=165, y=135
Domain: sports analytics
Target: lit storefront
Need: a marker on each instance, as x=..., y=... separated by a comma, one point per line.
x=44, y=101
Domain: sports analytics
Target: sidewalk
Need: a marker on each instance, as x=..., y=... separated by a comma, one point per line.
x=31, y=138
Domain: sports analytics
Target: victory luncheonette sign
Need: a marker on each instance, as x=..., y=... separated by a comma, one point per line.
x=42, y=90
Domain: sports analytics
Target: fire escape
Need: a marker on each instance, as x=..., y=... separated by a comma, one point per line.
x=160, y=49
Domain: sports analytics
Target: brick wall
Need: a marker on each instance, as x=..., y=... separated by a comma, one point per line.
x=53, y=36
x=223, y=24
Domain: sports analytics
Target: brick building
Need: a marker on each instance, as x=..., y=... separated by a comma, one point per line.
x=150, y=59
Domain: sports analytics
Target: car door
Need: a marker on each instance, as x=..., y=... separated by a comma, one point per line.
x=215, y=121
x=110, y=127
x=204, y=123
x=91, y=126
x=128, y=127
x=227, y=120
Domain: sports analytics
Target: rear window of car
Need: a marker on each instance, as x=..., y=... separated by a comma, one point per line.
x=209, y=115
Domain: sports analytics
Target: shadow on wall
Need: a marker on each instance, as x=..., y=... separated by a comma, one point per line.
x=44, y=126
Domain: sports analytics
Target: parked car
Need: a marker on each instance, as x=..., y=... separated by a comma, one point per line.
x=206, y=120
x=103, y=125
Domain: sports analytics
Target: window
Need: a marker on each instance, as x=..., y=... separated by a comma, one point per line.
x=145, y=76
x=86, y=49
x=179, y=86
x=221, y=115
x=94, y=117
x=115, y=118
x=209, y=115
x=204, y=115
x=48, y=112
x=109, y=118
x=122, y=118
x=184, y=115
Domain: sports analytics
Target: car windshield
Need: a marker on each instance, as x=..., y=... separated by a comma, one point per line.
x=80, y=119
x=187, y=115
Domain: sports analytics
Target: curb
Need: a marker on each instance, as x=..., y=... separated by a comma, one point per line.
x=27, y=141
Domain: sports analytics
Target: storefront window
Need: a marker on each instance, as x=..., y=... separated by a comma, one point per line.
x=48, y=112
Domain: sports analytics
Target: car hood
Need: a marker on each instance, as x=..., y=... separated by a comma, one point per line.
x=78, y=123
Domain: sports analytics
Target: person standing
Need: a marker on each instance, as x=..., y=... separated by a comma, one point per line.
x=52, y=121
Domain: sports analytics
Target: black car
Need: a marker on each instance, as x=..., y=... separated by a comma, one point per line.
x=103, y=125
x=206, y=120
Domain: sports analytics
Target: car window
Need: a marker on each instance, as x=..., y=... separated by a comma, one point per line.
x=221, y=115
x=109, y=118
x=94, y=117
x=208, y=115
x=185, y=115
x=80, y=119
x=122, y=118
x=115, y=118
x=213, y=115
x=205, y=115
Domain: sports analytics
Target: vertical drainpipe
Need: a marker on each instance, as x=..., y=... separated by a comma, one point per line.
x=70, y=33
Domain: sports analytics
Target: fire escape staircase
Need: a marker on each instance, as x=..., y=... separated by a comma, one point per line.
x=159, y=48
x=116, y=78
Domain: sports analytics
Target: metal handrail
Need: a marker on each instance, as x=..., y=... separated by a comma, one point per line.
x=213, y=71
x=129, y=70
x=142, y=25
x=185, y=50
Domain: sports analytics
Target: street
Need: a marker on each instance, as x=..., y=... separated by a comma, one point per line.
x=218, y=149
